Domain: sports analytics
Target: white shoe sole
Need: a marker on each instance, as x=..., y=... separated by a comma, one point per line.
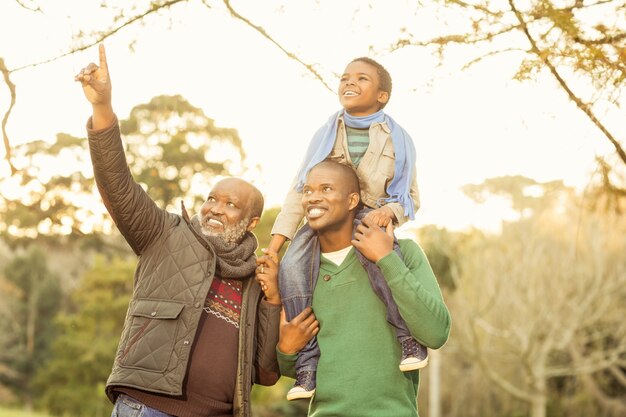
x=299, y=395
x=413, y=366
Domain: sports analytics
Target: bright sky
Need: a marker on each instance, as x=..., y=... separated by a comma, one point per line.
x=467, y=126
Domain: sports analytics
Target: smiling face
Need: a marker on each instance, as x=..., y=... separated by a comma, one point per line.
x=230, y=210
x=329, y=197
x=359, y=89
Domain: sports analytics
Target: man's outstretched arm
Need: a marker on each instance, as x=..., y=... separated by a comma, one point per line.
x=139, y=220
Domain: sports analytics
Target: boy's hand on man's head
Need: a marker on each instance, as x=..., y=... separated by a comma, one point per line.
x=372, y=241
x=381, y=216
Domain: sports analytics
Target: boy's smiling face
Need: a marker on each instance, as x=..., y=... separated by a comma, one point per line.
x=359, y=89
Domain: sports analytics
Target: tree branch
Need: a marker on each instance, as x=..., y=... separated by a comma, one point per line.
x=601, y=41
x=264, y=33
x=104, y=34
x=36, y=9
x=579, y=103
x=492, y=374
x=618, y=374
x=5, y=119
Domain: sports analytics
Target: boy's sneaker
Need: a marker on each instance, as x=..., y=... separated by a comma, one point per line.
x=414, y=355
x=304, y=386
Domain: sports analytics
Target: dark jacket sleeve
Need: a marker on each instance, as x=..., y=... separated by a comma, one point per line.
x=135, y=214
x=267, y=372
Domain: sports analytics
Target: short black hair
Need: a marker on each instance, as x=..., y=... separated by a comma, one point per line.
x=352, y=179
x=383, y=75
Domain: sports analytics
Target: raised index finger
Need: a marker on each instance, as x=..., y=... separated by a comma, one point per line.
x=103, y=58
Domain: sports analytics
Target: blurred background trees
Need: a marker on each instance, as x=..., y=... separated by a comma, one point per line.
x=537, y=307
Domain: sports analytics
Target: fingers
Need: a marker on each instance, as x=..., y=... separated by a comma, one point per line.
x=389, y=229
x=304, y=314
x=271, y=254
x=103, y=58
x=283, y=317
x=368, y=221
x=85, y=74
x=268, y=261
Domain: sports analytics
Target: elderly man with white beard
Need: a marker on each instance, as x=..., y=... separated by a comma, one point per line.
x=199, y=330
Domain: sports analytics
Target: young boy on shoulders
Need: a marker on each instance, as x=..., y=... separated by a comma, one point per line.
x=382, y=153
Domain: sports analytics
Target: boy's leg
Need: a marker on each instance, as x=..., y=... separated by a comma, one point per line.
x=297, y=277
x=306, y=371
x=414, y=354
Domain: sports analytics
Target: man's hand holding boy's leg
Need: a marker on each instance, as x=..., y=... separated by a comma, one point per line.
x=381, y=216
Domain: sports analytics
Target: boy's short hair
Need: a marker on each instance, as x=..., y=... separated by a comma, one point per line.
x=383, y=75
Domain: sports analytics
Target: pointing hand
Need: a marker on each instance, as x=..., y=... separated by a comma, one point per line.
x=96, y=81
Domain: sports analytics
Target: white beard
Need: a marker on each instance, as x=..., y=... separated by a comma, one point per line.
x=232, y=233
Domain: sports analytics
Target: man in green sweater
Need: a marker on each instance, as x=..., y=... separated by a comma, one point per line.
x=358, y=372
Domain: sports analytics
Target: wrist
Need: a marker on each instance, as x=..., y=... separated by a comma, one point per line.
x=383, y=256
x=286, y=349
x=103, y=116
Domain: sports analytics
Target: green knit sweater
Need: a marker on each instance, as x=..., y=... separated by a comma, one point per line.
x=358, y=371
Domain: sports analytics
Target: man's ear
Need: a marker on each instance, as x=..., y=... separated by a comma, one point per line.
x=252, y=224
x=354, y=200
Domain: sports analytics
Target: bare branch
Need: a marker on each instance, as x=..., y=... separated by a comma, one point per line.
x=579, y=103
x=616, y=405
x=601, y=41
x=105, y=34
x=464, y=38
x=264, y=33
x=5, y=119
x=618, y=374
x=477, y=7
x=35, y=9
x=491, y=373
x=488, y=55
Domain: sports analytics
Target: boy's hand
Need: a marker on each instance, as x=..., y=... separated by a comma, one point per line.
x=381, y=216
x=96, y=81
x=372, y=241
x=267, y=277
x=295, y=334
x=272, y=254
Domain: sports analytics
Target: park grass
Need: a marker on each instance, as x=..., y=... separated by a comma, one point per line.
x=16, y=412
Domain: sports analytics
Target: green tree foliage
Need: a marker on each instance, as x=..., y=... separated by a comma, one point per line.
x=72, y=382
x=30, y=298
x=55, y=190
x=173, y=149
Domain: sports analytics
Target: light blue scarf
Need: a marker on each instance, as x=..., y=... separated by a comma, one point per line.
x=400, y=186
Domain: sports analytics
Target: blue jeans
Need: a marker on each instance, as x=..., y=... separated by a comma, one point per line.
x=126, y=406
x=298, y=274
